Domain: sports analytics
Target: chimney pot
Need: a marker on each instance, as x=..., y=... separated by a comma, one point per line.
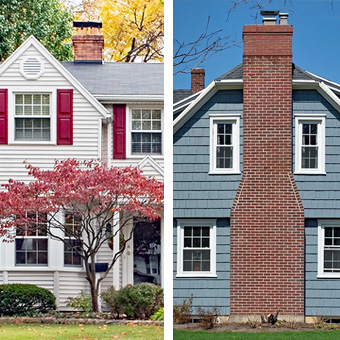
x=283, y=18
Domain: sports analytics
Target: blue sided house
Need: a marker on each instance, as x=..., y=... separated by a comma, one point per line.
x=257, y=185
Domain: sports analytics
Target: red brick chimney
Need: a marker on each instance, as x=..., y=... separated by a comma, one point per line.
x=267, y=217
x=197, y=79
x=88, y=43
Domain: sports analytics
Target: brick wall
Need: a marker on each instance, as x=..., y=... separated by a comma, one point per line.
x=267, y=218
x=88, y=47
x=197, y=79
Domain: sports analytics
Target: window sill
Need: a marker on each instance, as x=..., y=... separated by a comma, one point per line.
x=302, y=172
x=31, y=143
x=225, y=172
x=194, y=275
x=142, y=155
x=328, y=276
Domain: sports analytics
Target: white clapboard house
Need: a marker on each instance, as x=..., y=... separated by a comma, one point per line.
x=85, y=109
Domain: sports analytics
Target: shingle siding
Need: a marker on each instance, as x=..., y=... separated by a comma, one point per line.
x=322, y=295
x=196, y=193
x=320, y=194
x=208, y=292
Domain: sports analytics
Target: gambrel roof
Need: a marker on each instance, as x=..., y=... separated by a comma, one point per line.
x=233, y=79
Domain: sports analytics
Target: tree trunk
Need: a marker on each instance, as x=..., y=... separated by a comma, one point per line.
x=94, y=295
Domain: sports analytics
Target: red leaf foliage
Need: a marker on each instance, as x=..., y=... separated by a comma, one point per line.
x=88, y=185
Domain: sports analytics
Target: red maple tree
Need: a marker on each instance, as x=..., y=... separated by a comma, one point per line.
x=92, y=193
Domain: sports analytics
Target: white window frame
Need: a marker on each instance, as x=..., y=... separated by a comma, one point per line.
x=320, y=120
x=31, y=237
x=233, y=119
x=53, y=114
x=180, y=247
x=70, y=238
x=322, y=224
x=129, y=154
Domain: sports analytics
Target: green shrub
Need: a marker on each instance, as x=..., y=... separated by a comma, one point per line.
x=82, y=302
x=158, y=316
x=138, y=301
x=25, y=299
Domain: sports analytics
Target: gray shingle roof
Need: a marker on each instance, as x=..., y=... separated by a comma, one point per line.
x=119, y=78
x=178, y=95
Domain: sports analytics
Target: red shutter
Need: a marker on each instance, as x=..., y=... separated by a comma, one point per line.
x=119, y=131
x=64, y=117
x=3, y=117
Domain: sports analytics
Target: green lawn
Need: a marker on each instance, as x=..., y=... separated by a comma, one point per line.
x=79, y=332
x=291, y=335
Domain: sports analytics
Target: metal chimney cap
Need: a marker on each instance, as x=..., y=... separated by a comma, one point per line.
x=87, y=24
x=269, y=13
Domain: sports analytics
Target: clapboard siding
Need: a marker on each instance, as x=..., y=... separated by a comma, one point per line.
x=86, y=124
x=322, y=295
x=320, y=194
x=196, y=193
x=70, y=285
x=39, y=278
x=208, y=292
x=105, y=255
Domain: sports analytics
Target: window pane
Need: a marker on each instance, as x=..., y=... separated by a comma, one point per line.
x=136, y=125
x=309, y=157
x=156, y=125
x=20, y=257
x=19, y=99
x=187, y=231
x=146, y=114
x=156, y=114
x=146, y=125
x=136, y=114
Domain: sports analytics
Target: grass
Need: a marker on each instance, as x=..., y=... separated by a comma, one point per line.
x=80, y=332
x=291, y=335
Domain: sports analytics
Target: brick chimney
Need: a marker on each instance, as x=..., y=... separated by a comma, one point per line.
x=267, y=217
x=88, y=43
x=197, y=79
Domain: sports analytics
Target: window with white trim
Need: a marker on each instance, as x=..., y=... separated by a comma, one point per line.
x=31, y=242
x=32, y=117
x=146, y=131
x=329, y=249
x=224, y=144
x=72, y=243
x=310, y=144
x=196, y=254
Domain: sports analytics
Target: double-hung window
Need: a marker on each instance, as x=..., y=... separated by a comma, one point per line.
x=309, y=144
x=196, y=249
x=329, y=248
x=146, y=131
x=32, y=117
x=72, y=241
x=31, y=242
x=224, y=144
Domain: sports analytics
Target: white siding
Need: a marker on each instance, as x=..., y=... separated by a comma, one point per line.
x=70, y=285
x=86, y=124
x=39, y=278
x=105, y=255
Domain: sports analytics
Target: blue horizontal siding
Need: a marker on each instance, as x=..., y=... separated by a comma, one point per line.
x=196, y=193
x=322, y=296
x=320, y=194
x=208, y=292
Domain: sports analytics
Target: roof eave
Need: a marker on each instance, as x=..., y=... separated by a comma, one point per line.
x=204, y=96
x=115, y=99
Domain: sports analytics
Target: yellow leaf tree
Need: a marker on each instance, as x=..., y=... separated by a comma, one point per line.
x=133, y=30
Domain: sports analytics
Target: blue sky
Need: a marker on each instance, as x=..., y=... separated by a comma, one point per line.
x=316, y=37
